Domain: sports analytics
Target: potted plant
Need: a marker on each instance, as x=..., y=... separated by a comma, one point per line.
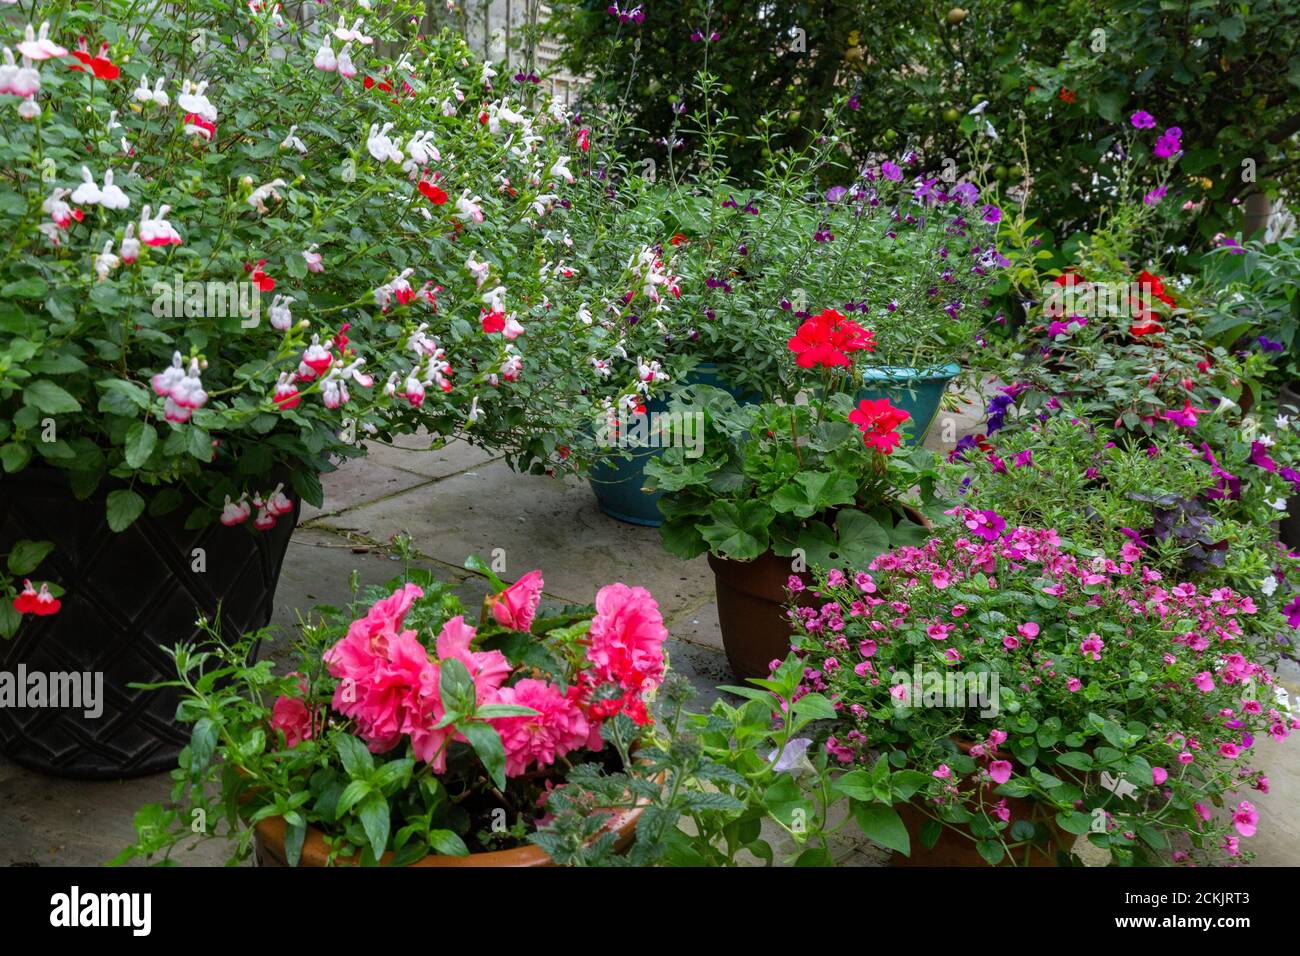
x=406, y=735
x=229, y=236
x=1122, y=705
x=778, y=489
x=740, y=782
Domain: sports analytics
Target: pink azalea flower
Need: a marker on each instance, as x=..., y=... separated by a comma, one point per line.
x=516, y=606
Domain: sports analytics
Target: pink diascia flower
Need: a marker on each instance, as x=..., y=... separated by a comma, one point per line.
x=558, y=727
x=516, y=606
x=627, y=636
x=1092, y=646
x=1000, y=771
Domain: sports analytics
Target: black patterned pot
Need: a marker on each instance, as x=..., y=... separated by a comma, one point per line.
x=128, y=595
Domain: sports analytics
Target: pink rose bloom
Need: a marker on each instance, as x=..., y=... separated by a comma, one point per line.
x=1245, y=818
x=627, y=636
x=1159, y=775
x=290, y=716
x=516, y=605
x=1000, y=771
x=558, y=728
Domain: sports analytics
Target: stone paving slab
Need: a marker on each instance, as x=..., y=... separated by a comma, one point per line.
x=538, y=522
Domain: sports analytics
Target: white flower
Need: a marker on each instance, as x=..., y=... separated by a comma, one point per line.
x=40, y=47
x=381, y=147
x=87, y=194
x=561, y=169
x=106, y=262
x=982, y=105
x=1277, y=505
x=347, y=69
x=325, y=60
x=355, y=34
x=257, y=199
x=281, y=318
x=293, y=142
x=1282, y=421
x=495, y=300
x=313, y=258
x=1268, y=586
x=479, y=270
x=111, y=197
x=193, y=99
x=1266, y=440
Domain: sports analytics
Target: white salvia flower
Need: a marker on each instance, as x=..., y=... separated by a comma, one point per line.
x=293, y=142
x=40, y=47
x=479, y=270
x=130, y=245
x=29, y=109
x=473, y=410
x=561, y=169
x=495, y=299
x=258, y=197
x=421, y=149
x=487, y=75
x=380, y=146
x=313, y=258
x=354, y=34
x=584, y=314
x=106, y=262
x=281, y=318
x=111, y=197
x=86, y=194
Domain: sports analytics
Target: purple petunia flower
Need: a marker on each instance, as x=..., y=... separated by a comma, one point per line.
x=987, y=524
x=1259, y=457
x=1142, y=120
x=991, y=213
x=891, y=171
x=1268, y=345
x=1292, y=611
x=966, y=193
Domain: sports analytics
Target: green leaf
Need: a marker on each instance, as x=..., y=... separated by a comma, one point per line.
x=456, y=686
x=25, y=556
x=504, y=710
x=141, y=438
x=124, y=506
x=1072, y=821
x=487, y=744
x=14, y=457
x=357, y=760
x=49, y=398
x=855, y=784
x=1076, y=759
x=352, y=793
x=738, y=531
x=294, y=835
x=9, y=620
x=882, y=825
x=991, y=850
x=814, y=707
x=375, y=821
x=33, y=287
x=447, y=843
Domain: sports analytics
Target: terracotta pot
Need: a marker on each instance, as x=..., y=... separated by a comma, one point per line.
x=956, y=849
x=751, y=607
x=268, y=847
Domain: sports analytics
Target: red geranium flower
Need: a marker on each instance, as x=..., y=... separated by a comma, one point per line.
x=827, y=339
x=878, y=421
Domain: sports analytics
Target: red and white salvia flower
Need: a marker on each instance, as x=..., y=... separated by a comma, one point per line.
x=381, y=146
x=286, y=394
x=334, y=386
x=512, y=328
x=281, y=317
x=170, y=377
x=421, y=343
x=292, y=141
x=512, y=367
x=398, y=288
x=601, y=366
x=196, y=125
x=495, y=299
x=354, y=34
x=479, y=270
x=106, y=261
x=100, y=65
x=422, y=151
x=41, y=603
x=16, y=80
x=193, y=99
x=235, y=512
x=130, y=250
x=438, y=370
x=650, y=374
x=347, y=69
x=265, y=520
x=278, y=503
x=412, y=389
x=157, y=231
x=487, y=75
x=257, y=275
x=258, y=197
x=468, y=206
x=316, y=359
x=315, y=263
x=325, y=60
x=157, y=95
x=57, y=209
x=29, y=109
x=584, y=140
x=39, y=46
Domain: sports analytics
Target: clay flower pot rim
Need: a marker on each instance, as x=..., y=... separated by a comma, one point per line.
x=315, y=852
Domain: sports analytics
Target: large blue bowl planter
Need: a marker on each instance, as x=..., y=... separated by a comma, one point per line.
x=617, y=482
x=914, y=391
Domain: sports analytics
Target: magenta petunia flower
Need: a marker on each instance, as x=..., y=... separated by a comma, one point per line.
x=1143, y=120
